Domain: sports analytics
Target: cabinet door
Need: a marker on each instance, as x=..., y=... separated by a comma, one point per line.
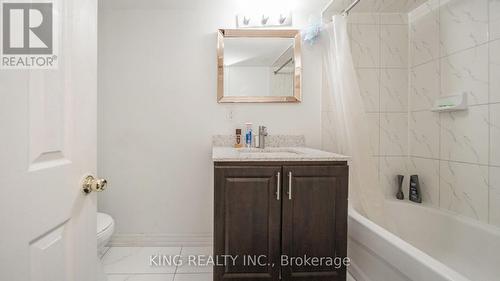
x=314, y=222
x=247, y=222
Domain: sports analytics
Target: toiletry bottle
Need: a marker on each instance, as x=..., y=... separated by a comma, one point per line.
x=400, y=195
x=248, y=135
x=237, y=141
x=415, y=194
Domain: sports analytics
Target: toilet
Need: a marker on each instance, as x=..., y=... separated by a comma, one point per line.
x=105, y=229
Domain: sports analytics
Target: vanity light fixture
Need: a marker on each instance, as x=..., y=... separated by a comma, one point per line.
x=266, y=20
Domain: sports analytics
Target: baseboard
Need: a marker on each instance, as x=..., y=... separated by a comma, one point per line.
x=161, y=240
x=356, y=273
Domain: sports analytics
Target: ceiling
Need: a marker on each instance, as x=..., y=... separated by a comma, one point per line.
x=371, y=6
x=294, y=5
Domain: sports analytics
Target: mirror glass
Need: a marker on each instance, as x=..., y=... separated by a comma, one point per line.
x=258, y=66
x=261, y=65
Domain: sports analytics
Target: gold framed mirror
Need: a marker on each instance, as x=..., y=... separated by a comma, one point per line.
x=259, y=66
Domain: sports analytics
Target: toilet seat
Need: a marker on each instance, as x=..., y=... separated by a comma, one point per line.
x=105, y=228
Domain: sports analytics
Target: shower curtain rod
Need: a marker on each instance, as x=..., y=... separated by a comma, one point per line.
x=348, y=9
x=326, y=16
x=283, y=66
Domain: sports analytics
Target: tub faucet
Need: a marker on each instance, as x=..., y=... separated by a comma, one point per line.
x=262, y=137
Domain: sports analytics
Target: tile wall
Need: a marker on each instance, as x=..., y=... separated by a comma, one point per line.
x=404, y=62
x=455, y=48
x=379, y=45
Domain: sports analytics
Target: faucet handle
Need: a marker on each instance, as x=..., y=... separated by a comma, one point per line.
x=263, y=130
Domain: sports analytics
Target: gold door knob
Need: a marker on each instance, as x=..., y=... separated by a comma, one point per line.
x=92, y=184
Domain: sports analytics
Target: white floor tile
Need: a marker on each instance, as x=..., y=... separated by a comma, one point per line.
x=133, y=264
x=188, y=267
x=209, y=276
x=141, y=277
x=194, y=277
x=136, y=260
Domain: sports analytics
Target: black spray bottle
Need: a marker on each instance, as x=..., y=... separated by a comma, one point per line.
x=415, y=194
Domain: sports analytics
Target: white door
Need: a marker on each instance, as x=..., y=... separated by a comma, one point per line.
x=47, y=146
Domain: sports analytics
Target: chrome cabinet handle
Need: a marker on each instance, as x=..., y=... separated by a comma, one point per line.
x=278, y=186
x=289, y=185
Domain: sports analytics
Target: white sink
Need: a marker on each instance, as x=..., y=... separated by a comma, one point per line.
x=268, y=152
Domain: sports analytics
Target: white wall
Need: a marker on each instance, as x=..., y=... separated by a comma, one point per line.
x=158, y=111
x=258, y=81
x=247, y=80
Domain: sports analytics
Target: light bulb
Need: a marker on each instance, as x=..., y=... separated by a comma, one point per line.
x=264, y=19
x=282, y=19
x=246, y=20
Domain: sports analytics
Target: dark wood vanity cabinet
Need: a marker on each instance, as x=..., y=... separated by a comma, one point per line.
x=268, y=214
x=247, y=221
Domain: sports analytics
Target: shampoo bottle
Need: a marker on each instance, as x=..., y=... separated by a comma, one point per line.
x=415, y=194
x=248, y=135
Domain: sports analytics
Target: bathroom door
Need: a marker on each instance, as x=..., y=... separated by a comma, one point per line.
x=47, y=146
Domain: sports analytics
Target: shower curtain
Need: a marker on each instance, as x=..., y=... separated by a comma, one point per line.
x=350, y=130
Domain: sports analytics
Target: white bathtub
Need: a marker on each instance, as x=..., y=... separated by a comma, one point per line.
x=422, y=243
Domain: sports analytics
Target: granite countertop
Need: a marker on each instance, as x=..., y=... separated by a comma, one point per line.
x=230, y=154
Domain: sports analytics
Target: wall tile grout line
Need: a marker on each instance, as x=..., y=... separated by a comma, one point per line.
x=381, y=67
x=379, y=160
x=489, y=112
x=381, y=24
x=440, y=91
x=438, y=58
x=454, y=161
x=408, y=92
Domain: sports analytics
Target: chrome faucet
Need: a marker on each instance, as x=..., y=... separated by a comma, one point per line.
x=262, y=137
